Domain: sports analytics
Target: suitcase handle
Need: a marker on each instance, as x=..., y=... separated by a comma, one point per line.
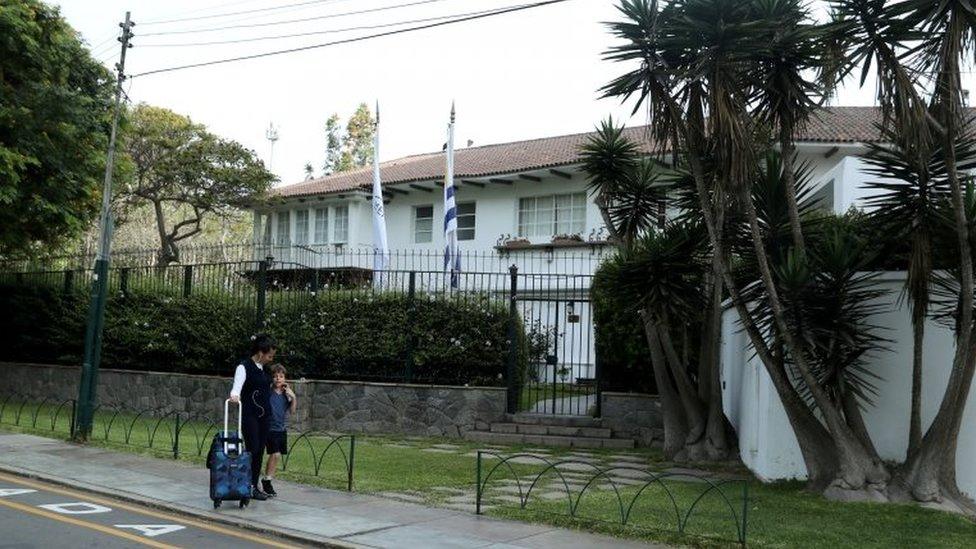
x=240, y=413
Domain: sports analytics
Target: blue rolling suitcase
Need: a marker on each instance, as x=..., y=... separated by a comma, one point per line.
x=230, y=464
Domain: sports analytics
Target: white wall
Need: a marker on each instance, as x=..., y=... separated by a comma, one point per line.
x=767, y=444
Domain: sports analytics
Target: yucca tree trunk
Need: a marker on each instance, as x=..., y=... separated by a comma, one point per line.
x=789, y=178
x=930, y=474
x=818, y=449
x=672, y=411
x=918, y=342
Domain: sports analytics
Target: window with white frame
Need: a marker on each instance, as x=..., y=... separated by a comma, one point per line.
x=423, y=224
x=340, y=229
x=301, y=227
x=284, y=228
x=551, y=215
x=321, y=225
x=465, y=220
x=264, y=228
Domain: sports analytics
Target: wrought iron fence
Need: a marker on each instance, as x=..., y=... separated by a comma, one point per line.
x=178, y=434
x=628, y=484
x=530, y=331
x=578, y=258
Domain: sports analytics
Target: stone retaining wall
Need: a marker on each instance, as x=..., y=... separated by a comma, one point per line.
x=346, y=406
x=633, y=415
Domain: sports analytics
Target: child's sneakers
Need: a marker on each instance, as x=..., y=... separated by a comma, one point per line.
x=268, y=488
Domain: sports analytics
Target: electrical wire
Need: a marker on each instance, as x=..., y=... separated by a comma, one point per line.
x=291, y=21
x=243, y=12
x=330, y=31
x=348, y=40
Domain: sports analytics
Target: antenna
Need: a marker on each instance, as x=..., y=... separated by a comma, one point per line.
x=271, y=135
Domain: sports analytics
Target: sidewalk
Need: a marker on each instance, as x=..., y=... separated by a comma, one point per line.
x=303, y=513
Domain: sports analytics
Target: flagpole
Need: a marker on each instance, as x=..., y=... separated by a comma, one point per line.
x=452, y=261
x=380, y=250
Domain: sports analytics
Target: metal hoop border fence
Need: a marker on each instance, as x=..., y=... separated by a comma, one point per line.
x=114, y=417
x=740, y=518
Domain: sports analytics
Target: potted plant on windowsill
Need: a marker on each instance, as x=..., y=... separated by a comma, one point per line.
x=517, y=242
x=574, y=238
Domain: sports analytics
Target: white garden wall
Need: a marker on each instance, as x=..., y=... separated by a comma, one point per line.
x=766, y=441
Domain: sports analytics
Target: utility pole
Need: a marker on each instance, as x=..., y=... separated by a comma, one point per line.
x=87, y=389
x=271, y=135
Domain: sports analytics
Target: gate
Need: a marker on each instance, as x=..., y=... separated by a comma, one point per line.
x=560, y=376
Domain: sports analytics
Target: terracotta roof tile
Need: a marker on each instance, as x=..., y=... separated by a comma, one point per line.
x=834, y=124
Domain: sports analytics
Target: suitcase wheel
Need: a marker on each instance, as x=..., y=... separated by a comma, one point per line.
x=244, y=503
x=216, y=503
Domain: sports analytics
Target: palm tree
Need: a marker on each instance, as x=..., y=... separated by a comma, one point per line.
x=917, y=46
x=701, y=63
x=907, y=206
x=657, y=266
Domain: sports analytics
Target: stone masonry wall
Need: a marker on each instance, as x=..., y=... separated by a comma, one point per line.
x=410, y=409
x=326, y=405
x=633, y=415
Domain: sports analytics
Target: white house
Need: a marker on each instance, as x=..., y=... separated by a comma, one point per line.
x=523, y=203
x=514, y=200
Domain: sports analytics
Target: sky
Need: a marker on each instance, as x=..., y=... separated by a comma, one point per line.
x=516, y=76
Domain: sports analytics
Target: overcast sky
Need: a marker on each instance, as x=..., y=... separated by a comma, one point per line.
x=515, y=76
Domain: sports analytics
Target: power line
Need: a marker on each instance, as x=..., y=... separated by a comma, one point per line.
x=242, y=12
x=330, y=31
x=350, y=40
x=302, y=20
x=206, y=8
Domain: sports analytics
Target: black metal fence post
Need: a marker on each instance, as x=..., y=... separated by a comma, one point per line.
x=124, y=281
x=262, y=293
x=411, y=320
x=176, y=437
x=511, y=367
x=187, y=280
x=477, y=484
x=71, y=426
x=352, y=460
x=69, y=277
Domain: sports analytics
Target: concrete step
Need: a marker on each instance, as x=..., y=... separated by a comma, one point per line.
x=490, y=437
x=558, y=430
x=553, y=420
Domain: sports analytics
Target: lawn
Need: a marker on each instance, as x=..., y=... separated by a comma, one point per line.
x=442, y=472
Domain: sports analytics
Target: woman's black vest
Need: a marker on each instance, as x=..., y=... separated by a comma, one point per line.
x=256, y=393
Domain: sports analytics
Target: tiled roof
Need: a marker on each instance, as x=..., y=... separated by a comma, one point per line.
x=834, y=124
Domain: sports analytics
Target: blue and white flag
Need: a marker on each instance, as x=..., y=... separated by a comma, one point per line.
x=380, y=251
x=452, y=259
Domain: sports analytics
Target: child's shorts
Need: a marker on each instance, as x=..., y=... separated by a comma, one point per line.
x=278, y=442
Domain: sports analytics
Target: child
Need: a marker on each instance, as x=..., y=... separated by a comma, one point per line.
x=282, y=405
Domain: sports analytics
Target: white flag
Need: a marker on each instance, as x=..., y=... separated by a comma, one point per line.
x=380, y=251
x=452, y=258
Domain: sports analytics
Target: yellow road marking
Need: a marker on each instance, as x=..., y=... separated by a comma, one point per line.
x=148, y=512
x=76, y=522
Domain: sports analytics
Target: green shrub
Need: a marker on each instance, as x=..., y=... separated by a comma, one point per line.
x=344, y=334
x=620, y=345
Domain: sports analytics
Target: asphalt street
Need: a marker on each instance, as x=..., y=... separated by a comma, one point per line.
x=37, y=514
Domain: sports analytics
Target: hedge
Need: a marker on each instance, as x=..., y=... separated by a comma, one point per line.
x=620, y=344
x=345, y=334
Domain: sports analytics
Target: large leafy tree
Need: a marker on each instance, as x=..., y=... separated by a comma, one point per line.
x=352, y=148
x=55, y=103
x=179, y=168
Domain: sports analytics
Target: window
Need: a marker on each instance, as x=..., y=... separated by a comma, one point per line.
x=284, y=228
x=321, y=225
x=465, y=221
x=423, y=224
x=340, y=231
x=552, y=215
x=301, y=227
x=264, y=228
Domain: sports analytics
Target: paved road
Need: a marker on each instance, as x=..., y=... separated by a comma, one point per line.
x=36, y=514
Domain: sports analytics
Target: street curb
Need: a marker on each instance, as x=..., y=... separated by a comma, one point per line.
x=244, y=524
